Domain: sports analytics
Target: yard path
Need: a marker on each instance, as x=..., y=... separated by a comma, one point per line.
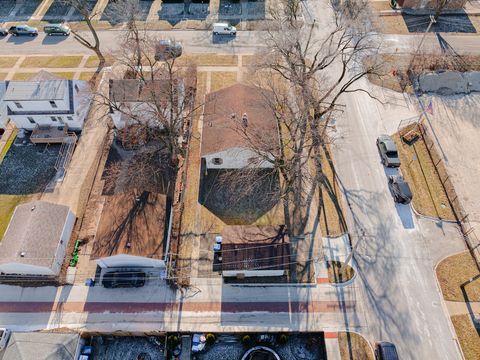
x=460, y=308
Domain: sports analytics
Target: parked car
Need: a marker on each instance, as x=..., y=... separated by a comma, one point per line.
x=115, y=279
x=224, y=29
x=23, y=30
x=400, y=190
x=168, y=49
x=385, y=350
x=4, y=336
x=388, y=151
x=3, y=31
x=56, y=29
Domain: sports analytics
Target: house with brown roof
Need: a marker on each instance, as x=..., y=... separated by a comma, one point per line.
x=239, y=128
x=255, y=251
x=133, y=232
x=36, y=239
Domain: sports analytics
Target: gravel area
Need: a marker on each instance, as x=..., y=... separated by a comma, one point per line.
x=27, y=9
x=57, y=10
x=298, y=347
x=109, y=12
x=445, y=23
x=127, y=348
x=6, y=8
x=27, y=169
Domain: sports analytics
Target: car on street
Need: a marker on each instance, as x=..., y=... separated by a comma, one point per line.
x=23, y=30
x=4, y=336
x=56, y=29
x=385, y=350
x=400, y=190
x=116, y=279
x=3, y=32
x=224, y=29
x=388, y=151
x=168, y=49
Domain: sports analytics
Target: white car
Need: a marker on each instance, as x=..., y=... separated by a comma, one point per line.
x=4, y=336
x=224, y=29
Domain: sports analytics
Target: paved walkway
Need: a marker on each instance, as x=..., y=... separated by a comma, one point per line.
x=461, y=308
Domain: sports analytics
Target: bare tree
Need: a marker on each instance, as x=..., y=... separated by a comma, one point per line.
x=160, y=114
x=314, y=70
x=84, y=7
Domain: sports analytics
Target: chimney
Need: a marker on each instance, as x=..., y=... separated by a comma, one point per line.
x=244, y=120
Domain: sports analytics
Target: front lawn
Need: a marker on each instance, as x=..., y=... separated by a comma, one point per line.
x=454, y=271
x=51, y=61
x=467, y=335
x=429, y=197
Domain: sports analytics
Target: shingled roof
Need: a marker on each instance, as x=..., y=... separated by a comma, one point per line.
x=33, y=234
x=222, y=119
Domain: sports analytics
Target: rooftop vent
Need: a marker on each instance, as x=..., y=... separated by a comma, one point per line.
x=22, y=254
x=32, y=208
x=244, y=120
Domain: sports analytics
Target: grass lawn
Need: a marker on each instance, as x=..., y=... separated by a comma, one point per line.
x=8, y=61
x=223, y=79
x=429, y=197
x=23, y=76
x=454, y=271
x=208, y=59
x=87, y=75
x=354, y=347
x=334, y=274
x=65, y=75
x=51, y=61
x=467, y=335
x=7, y=206
x=332, y=220
x=92, y=61
x=3, y=75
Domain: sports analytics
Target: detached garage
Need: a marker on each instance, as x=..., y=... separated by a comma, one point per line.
x=36, y=240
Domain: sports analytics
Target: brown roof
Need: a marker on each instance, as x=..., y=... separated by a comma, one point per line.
x=221, y=131
x=136, y=90
x=250, y=247
x=132, y=223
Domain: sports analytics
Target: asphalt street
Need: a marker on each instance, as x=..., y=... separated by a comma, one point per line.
x=202, y=41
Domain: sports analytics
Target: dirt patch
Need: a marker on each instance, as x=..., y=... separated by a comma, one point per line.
x=332, y=221
x=454, y=271
x=429, y=197
x=335, y=273
x=467, y=335
x=354, y=347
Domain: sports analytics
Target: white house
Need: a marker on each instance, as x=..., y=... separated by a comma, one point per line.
x=239, y=128
x=134, y=101
x=133, y=232
x=36, y=240
x=46, y=103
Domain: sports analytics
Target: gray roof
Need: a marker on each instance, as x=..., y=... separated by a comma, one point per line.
x=41, y=346
x=34, y=230
x=36, y=90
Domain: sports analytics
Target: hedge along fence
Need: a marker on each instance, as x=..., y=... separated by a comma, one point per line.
x=461, y=215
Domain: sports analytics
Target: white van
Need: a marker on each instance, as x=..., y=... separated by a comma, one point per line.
x=224, y=29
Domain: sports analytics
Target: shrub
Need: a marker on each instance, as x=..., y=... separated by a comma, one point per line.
x=282, y=339
x=247, y=340
x=172, y=341
x=210, y=339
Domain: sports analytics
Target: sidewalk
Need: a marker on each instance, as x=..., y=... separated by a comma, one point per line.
x=461, y=308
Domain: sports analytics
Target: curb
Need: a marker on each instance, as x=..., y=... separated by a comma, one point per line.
x=427, y=217
x=444, y=305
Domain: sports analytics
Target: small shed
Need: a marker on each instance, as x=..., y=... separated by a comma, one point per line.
x=255, y=251
x=36, y=240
